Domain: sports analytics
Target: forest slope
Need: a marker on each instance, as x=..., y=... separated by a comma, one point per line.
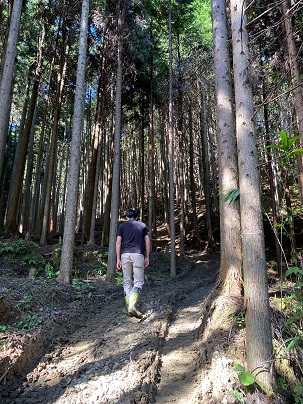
x=91, y=352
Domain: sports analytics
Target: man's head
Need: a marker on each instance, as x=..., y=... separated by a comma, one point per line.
x=131, y=214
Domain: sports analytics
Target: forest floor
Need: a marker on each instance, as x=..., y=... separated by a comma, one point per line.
x=85, y=349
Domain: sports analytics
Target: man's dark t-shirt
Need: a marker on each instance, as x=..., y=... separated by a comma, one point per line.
x=133, y=234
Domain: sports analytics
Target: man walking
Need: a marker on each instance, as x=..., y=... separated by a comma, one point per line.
x=132, y=249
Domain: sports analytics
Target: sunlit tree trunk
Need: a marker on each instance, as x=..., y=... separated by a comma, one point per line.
x=230, y=252
x=66, y=264
x=256, y=304
x=296, y=81
x=171, y=154
x=7, y=77
x=115, y=199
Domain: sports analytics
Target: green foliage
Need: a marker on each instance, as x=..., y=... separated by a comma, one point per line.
x=29, y=321
x=25, y=303
x=231, y=196
x=32, y=260
x=238, y=396
x=298, y=389
x=296, y=299
x=119, y=278
x=240, y=319
x=50, y=272
x=245, y=377
x=286, y=145
x=3, y=328
x=100, y=267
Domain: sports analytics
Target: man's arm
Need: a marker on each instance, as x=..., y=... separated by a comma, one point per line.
x=118, y=251
x=147, y=250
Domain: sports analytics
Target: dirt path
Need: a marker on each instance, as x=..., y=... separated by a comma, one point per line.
x=104, y=356
x=180, y=354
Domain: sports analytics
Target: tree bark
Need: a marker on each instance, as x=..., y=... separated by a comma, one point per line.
x=7, y=77
x=173, y=269
x=295, y=76
x=66, y=264
x=45, y=206
x=230, y=252
x=115, y=200
x=256, y=304
x=19, y=164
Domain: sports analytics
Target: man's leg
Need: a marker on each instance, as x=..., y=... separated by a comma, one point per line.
x=127, y=270
x=138, y=271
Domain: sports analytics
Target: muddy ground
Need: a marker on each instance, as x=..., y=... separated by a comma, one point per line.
x=92, y=352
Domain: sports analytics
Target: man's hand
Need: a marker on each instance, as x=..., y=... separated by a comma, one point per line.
x=146, y=262
x=119, y=265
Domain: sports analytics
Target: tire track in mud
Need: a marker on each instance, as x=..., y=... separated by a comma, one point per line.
x=109, y=357
x=181, y=350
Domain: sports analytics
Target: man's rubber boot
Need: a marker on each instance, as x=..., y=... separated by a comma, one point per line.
x=126, y=298
x=132, y=310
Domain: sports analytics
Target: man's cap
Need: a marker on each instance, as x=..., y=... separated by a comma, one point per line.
x=131, y=213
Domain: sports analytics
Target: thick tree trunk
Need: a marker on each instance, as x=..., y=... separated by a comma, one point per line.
x=115, y=200
x=7, y=77
x=230, y=239
x=173, y=269
x=256, y=304
x=66, y=264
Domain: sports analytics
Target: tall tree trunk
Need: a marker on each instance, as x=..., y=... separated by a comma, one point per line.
x=165, y=170
x=256, y=304
x=192, y=179
x=66, y=264
x=142, y=164
x=22, y=147
x=271, y=178
x=111, y=266
x=181, y=153
x=295, y=75
x=45, y=206
x=7, y=77
x=230, y=252
x=38, y=173
x=101, y=131
x=207, y=177
x=25, y=217
x=19, y=164
x=151, y=149
x=173, y=269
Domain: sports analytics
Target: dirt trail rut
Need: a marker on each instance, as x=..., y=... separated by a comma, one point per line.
x=104, y=356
